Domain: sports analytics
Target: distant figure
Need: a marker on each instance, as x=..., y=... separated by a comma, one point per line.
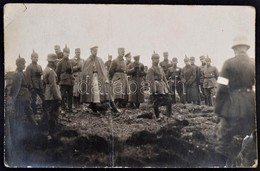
x=198, y=76
x=136, y=71
x=119, y=80
x=188, y=76
x=165, y=64
x=173, y=76
x=77, y=64
x=33, y=75
x=235, y=100
x=201, y=89
x=108, y=62
x=64, y=72
x=52, y=95
x=159, y=87
x=210, y=75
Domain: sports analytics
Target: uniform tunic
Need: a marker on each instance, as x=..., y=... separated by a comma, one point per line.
x=119, y=79
x=77, y=64
x=136, y=71
x=108, y=64
x=235, y=100
x=165, y=64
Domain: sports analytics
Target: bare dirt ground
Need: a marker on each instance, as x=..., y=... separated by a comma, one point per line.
x=133, y=138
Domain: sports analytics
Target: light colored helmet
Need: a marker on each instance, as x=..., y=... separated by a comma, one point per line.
x=240, y=40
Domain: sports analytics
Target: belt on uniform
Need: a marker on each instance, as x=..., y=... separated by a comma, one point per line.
x=243, y=90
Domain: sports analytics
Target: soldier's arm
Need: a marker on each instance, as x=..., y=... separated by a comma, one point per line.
x=130, y=69
x=53, y=88
x=28, y=76
x=58, y=70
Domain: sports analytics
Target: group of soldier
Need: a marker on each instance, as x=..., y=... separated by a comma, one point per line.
x=121, y=83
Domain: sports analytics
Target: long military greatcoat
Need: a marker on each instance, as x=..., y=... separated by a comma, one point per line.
x=137, y=73
x=94, y=75
x=33, y=75
x=119, y=80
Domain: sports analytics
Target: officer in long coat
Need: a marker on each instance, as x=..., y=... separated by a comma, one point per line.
x=198, y=76
x=165, y=64
x=77, y=64
x=235, y=100
x=210, y=76
x=33, y=74
x=159, y=88
x=137, y=73
x=19, y=118
x=95, y=88
x=52, y=94
x=201, y=89
x=64, y=72
x=173, y=76
x=188, y=76
x=119, y=79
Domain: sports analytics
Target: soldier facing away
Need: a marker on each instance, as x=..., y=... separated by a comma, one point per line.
x=33, y=75
x=159, y=87
x=235, y=100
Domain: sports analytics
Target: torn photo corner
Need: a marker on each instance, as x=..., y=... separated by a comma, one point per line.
x=136, y=86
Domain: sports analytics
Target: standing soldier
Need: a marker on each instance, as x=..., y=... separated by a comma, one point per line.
x=201, y=89
x=52, y=94
x=58, y=52
x=136, y=71
x=128, y=62
x=95, y=89
x=128, y=59
x=210, y=76
x=159, y=87
x=64, y=72
x=165, y=64
x=77, y=64
x=119, y=80
x=33, y=75
x=18, y=98
x=197, y=82
x=188, y=77
x=108, y=62
x=174, y=78
x=235, y=100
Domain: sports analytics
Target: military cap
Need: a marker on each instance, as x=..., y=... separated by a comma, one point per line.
x=155, y=56
x=202, y=57
x=165, y=53
x=51, y=57
x=57, y=47
x=207, y=59
x=77, y=50
x=192, y=58
x=240, y=40
x=119, y=49
x=34, y=54
x=136, y=57
x=94, y=47
x=186, y=59
x=20, y=60
x=66, y=49
x=128, y=54
x=175, y=60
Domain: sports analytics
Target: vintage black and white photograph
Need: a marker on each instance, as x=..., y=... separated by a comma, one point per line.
x=107, y=86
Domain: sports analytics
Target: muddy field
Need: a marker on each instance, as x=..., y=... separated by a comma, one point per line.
x=133, y=138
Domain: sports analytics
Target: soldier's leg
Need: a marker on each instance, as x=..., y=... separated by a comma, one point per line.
x=205, y=96
x=137, y=105
x=41, y=95
x=180, y=93
x=209, y=94
x=156, y=106
x=64, y=98
x=70, y=96
x=53, y=117
x=33, y=102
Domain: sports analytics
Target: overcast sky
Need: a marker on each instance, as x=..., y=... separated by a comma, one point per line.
x=140, y=29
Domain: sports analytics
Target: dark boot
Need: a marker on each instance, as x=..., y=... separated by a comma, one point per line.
x=156, y=111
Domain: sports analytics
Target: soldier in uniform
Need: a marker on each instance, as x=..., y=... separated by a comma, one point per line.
x=165, y=64
x=128, y=59
x=96, y=89
x=58, y=52
x=20, y=118
x=159, y=87
x=108, y=62
x=52, y=94
x=137, y=73
x=235, y=100
x=64, y=72
x=198, y=76
x=201, y=89
x=119, y=80
x=173, y=76
x=210, y=75
x=128, y=62
x=33, y=75
x=188, y=76
x=77, y=64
